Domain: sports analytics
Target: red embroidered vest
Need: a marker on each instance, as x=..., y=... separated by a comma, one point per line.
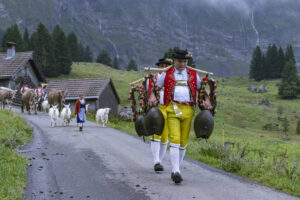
x=170, y=84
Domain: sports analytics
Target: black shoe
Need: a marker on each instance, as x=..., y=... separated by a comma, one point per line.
x=80, y=128
x=172, y=174
x=158, y=167
x=177, y=178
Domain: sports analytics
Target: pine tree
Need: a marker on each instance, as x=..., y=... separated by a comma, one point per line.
x=263, y=67
x=289, y=54
x=115, y=63
x=289, y=86
x=87, y=55
x=63, y=60
x=26, y=46
x=281, y=62
x=73, y=46
x=256, y=65
x=42, y=44
x=104, y=58
x=13, y=34
x=271, y=62
x=132, y=66
x=81, y=52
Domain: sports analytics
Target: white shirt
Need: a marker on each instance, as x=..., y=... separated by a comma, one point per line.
x=181, y=93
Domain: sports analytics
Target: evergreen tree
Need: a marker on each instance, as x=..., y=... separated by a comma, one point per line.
x=289, y=86
x=81, y=52
x=289, y=54
x=132, y=66
x=104, y=58
x=42, y=44
x=73, y=47
x=63, y=60
x=115, y=63
x=26, y=46
x=87, y=55
x=281, y=62
x=13, y=34
x=263, y=67
x=256, y=66
x=271, y=62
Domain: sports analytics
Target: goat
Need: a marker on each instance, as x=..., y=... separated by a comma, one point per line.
x=45, y=105
x=102, y=114
x=66, y=115
x=53, y=113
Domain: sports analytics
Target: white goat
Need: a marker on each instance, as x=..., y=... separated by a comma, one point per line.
x=45, y=105
x=66, y=115
x=53, y=113
x=102, y=114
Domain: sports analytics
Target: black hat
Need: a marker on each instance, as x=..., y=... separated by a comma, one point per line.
x=164, y=61
x=182, y=54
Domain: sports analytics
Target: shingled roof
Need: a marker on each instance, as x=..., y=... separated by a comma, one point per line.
x=90, y=88
x=10, y=66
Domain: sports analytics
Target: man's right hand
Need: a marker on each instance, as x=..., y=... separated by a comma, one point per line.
x=152, y=101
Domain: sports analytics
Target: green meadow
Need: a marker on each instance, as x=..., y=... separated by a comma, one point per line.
x=267, y=156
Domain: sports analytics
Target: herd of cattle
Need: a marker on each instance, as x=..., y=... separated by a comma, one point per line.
x=35, y=99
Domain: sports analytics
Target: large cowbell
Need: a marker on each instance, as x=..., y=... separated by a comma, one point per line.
x=139, y=126
x=154, y=122
x=204, y=124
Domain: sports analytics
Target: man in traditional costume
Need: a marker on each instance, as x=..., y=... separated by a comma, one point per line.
x=159, y=143
x=80, y=111
x=180, y=87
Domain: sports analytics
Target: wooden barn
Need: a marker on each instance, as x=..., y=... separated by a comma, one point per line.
x=18, y=69
x=99, y=93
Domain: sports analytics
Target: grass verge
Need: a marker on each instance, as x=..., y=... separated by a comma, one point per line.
x=14, y=132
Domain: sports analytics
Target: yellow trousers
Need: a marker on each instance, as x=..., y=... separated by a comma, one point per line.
x=179, y=126
x=163, y=138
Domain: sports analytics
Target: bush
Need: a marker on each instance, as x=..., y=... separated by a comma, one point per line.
x=298, y=128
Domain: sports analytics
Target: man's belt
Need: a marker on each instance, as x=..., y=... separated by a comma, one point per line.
x=183, y=103
x=181, y=83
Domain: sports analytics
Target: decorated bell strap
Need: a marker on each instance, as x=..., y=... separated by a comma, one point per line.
x=202, y=96
x=153, y=87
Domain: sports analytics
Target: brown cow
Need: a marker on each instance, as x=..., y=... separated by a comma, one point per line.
x=30, y=101
x=57, y=97
x=6, y=96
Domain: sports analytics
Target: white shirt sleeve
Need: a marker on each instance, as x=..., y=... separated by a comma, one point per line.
x=198, y=82
x=161, y=80
x=147, y=84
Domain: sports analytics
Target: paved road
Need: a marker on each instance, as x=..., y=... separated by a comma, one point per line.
x=104, y=163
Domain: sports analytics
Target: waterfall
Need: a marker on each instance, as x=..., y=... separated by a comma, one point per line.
x=253, y=26
x=114, y=47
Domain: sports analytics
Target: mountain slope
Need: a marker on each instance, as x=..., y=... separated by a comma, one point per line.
x=220, y=35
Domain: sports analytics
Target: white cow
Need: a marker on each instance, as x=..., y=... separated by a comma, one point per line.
x=53, y=113
x=102, y=114
x=45, y=105
x=66, y=115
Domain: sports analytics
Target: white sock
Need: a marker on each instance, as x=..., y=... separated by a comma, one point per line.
x=155, y=146
x=162, y=151
x=174, y=156
x=181, y=155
